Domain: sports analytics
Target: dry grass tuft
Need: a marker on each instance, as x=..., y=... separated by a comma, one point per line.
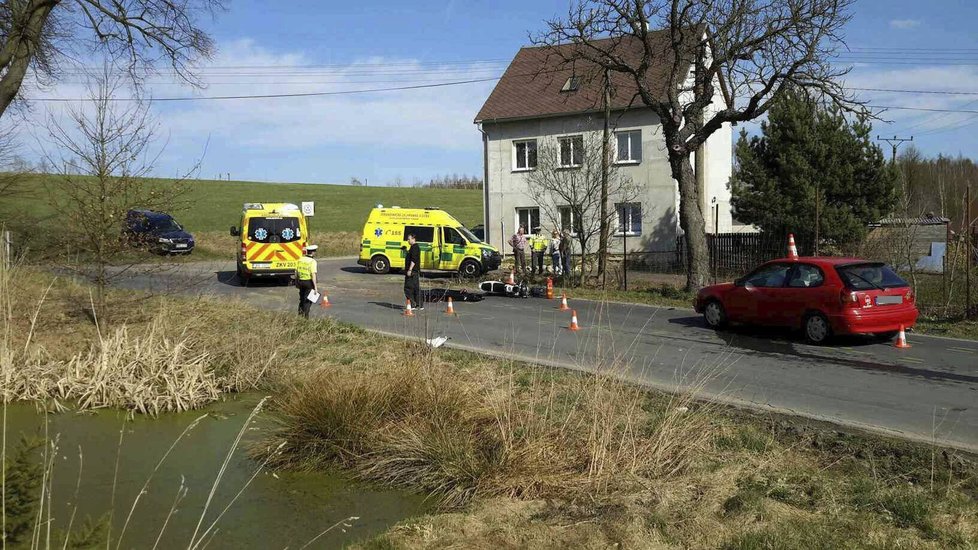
x=153, y=355
x=483, y=431
x=147, y=373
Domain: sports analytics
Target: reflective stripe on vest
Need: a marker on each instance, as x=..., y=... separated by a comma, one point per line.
x=540, y=244
x=303, y=268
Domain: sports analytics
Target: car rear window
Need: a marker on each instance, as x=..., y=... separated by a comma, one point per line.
x=273, y=230
x=869, y=276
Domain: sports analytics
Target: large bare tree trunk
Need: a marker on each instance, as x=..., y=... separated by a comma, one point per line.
x=691, y=221
x=22, y=43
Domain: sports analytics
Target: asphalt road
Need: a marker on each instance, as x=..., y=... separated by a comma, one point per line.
x=927, y=393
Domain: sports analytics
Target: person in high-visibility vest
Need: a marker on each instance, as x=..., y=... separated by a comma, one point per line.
x=305, y=278
x=539, y=246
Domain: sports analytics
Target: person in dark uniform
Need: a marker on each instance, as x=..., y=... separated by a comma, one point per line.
x=305, y=278
x=412, y=273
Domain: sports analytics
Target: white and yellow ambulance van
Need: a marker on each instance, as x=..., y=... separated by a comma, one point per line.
x=446, y=244
x=273, y=236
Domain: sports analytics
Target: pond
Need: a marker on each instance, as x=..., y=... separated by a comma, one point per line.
x=280, y=510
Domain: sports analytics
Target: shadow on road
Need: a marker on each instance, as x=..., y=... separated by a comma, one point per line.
x=354, y=269
x=230, y=278
x=763, y=338
x=388, y=305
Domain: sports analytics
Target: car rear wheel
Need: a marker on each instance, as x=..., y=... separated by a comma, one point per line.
x=714, y=314
x=380, y=265
x=469, y=269
x=817, y=328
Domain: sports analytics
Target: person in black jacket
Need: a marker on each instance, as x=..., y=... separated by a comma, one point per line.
x=412, y=273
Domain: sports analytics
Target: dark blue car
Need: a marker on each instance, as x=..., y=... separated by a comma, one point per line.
x=157, y=231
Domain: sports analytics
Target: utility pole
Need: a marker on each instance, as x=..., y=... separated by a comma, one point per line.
x=816, y=217
x=603, y=237
x=969, y=248
x=894, y=143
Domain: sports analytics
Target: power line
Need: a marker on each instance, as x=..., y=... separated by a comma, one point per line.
x=271, y=96
x=964, y=111
x=941, y=92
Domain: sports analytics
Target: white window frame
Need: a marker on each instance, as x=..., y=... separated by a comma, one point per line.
x=529, y=218
x=632, y=136
x=526, y=160
x=570, y=214
x=571, y=140
x=619, y=226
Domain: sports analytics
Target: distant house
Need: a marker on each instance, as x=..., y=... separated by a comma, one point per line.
x=921, y=240
x=537, y=98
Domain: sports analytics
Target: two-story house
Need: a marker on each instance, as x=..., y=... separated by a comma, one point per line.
x=538, y=98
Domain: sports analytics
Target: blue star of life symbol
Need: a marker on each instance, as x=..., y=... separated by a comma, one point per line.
x=378, y=232
x=287, y=234
x=261, y=233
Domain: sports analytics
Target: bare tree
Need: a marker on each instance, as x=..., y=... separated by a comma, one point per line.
x=35, y=35
x=677, y=57
x=567, y=186
x=13, y=169
x=106, y=152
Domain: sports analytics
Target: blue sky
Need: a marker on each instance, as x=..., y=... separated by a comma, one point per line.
x=417, y=134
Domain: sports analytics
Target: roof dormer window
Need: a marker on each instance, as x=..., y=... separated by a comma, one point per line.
x=572, y=84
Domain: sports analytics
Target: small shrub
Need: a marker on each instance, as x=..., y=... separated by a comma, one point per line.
x=908, y=507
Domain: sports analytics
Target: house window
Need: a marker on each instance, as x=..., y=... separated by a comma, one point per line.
x=571, y=85
x=571, y=151
x=629, y=147
x=568, y=221
x=525, y=154
x=528, y=218
x=629, y=218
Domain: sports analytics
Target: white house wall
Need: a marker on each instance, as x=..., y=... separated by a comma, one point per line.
x=507, y=187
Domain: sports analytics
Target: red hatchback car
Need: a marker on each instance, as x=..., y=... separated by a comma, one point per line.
x=822, y=296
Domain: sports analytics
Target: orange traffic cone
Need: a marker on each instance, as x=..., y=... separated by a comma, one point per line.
x=563, y=302
x=512, y=278
x=573, y=325
x=324, y=303
x=901, y=341
x=408, y=312
x=450, y=310
x=792, y=249
x=550, y=288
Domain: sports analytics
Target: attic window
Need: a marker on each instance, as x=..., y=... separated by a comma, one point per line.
x=572, y=84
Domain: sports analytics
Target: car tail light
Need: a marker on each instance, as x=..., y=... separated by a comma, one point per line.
x=849, y=299
x=909, y=296
x=244, y=251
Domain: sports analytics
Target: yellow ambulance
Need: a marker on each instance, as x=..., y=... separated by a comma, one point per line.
x=273, y=237
x=446, y=244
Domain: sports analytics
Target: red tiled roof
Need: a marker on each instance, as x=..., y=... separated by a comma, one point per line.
x=531, y=85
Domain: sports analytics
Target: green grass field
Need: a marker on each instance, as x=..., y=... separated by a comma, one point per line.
x=213, y=205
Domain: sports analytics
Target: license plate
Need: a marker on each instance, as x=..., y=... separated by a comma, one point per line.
x=181, y=246
x=887, y=300
x=260, y=265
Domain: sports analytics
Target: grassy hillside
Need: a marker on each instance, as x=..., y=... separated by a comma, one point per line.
x=215, y=205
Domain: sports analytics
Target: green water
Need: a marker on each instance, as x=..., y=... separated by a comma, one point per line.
x=285, y=510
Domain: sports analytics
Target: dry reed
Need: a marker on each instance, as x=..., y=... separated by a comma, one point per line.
x=484, y=431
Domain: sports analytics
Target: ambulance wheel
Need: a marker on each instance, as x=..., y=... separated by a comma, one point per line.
x=243, y=277
x=470, y=269
x=380, y=265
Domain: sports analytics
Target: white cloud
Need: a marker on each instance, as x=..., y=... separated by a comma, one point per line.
x=933, y=79
x=436, y=117
x=904, y=24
